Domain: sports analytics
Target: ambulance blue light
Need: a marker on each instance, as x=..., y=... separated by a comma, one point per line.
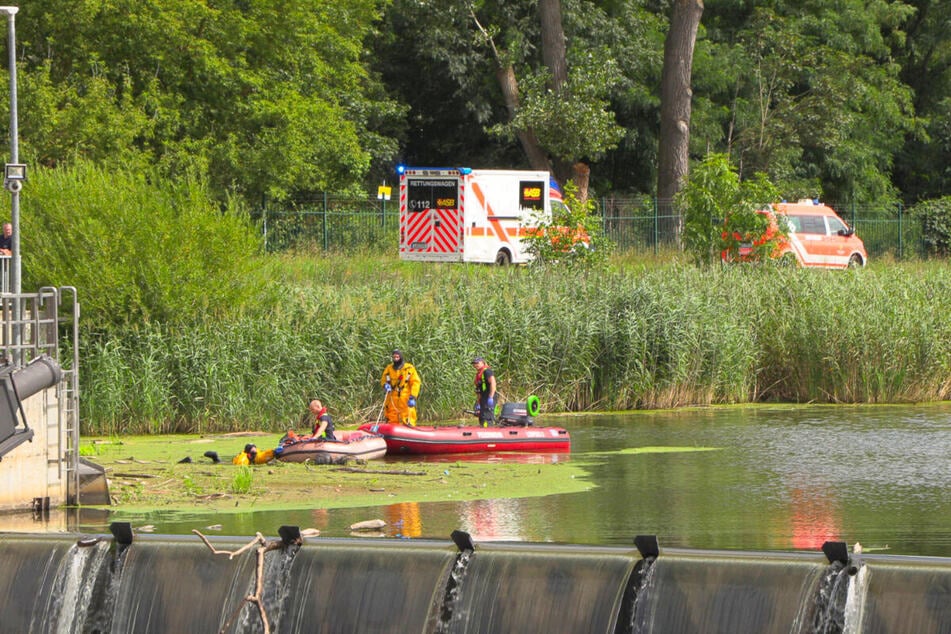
x=465, y=170
x=400, y=169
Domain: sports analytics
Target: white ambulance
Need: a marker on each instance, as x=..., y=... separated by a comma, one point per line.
x=471, y=215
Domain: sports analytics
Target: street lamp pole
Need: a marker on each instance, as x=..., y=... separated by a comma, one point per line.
x=14, y=149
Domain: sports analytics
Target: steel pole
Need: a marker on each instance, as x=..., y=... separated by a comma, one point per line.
x=14, y=148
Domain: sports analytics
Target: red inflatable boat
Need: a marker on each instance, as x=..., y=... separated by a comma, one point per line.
x=401, y=439
x=349, y=446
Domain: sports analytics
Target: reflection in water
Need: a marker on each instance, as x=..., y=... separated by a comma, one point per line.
x=813, y=518
x=56, y=520
x=319, y=519
x=484, y=458
x=483, y=520
x=491, y=520
x=404, y=519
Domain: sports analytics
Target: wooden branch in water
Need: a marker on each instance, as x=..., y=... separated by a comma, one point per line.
x=259, y=539
x=263, y=546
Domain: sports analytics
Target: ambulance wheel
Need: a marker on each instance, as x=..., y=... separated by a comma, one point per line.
x=503, y=258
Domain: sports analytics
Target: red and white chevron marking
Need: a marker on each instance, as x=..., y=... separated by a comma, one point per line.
x=430, y=230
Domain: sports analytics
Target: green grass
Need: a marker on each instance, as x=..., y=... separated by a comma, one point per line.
x=146, y=472
x=242, y=480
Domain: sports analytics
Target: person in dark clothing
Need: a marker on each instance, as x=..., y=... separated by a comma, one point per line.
x=485, y=391
x=6, y=240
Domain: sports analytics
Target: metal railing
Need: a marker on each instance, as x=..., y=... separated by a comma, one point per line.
x=47, y=322
x=5, y=273
x=643, y=225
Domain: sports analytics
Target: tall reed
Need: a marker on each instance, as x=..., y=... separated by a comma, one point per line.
x=648, y=337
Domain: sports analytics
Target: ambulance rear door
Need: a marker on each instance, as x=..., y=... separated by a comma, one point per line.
x=430, y=215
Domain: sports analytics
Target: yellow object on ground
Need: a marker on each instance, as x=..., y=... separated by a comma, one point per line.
x=251, y=455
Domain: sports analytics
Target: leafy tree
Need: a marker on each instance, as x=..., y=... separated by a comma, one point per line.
x=510, y=75
x=720, y=210
x=814, y=98
x=923, y=166
x=266, y=97
x=935, y=218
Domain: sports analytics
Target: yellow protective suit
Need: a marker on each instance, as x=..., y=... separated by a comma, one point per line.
x=260, y=457
x=405, y=383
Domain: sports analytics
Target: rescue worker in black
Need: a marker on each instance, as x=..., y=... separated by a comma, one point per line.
x=485, y=390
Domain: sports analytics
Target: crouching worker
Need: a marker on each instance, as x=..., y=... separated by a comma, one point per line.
x=251, y=455
x=323, y=428
x=323, y=424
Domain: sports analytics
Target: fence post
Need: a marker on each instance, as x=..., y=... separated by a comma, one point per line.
x=324, y=221
x=264, y=213
x=656, y=227
x=901, y=232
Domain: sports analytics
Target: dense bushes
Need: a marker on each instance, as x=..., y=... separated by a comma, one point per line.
x=138, y=251
x=638, y=338
x=935, y=218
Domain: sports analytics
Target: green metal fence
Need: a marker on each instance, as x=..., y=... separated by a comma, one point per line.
x=634, y=225
x=337, y=224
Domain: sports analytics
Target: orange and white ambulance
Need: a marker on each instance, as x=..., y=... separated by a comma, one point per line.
x=817, y=237
x=459, y=214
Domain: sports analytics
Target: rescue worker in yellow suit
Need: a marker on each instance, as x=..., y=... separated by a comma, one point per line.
x=251, y=455
x=401, y=382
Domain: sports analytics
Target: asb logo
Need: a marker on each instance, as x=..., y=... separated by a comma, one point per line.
x=531, y=195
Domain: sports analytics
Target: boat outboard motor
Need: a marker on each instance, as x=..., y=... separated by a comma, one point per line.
x=15, y=386
x=519, y=414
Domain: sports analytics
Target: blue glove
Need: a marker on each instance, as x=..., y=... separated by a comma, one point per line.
x=387, y=387
x=490, y=402
x=412, y=401
x=477, y=407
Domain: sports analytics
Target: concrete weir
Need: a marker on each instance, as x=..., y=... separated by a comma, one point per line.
x=130, y=583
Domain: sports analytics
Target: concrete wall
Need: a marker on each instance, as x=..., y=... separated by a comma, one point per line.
x=36, y=469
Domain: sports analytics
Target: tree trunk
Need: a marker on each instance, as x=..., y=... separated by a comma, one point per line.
x=554, y=49
x=555, y=57
x=537, y=157
x=673, y=158
x=581, y=174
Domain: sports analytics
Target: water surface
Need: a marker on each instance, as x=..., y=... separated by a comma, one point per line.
x=752, y=478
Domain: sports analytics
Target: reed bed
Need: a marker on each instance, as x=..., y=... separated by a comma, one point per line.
x=626, y=337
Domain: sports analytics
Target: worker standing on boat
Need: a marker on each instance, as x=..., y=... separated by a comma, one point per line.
x=323, y=424
x=402, y=383
x=485, y=391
